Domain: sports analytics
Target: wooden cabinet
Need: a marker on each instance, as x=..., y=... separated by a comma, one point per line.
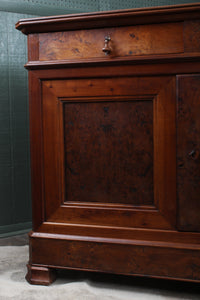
x=115, y=142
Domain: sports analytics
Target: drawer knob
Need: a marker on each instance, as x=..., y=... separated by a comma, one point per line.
x=106, y=49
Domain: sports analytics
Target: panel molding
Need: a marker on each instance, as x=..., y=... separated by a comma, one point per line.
x=122, y=18
x=93, y=100
x=176, y=59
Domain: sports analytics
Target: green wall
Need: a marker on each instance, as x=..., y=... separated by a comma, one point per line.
x=15, y=207
x=15, y=199
x=15, y=190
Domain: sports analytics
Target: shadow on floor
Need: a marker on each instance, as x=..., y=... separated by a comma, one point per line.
x=182, y=290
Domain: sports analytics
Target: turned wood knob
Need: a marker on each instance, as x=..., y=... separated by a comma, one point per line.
x=106, y=49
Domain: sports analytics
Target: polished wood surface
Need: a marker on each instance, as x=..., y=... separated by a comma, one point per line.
x=124, y=41
x=40, y=275
x=151, y=15
x=101, y=152
x=126, y=257
x=192, y=36
x=188, y=152
x=161, y=187
x=115, y=143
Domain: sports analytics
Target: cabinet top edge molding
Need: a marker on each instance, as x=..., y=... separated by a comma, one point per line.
x=110, y=18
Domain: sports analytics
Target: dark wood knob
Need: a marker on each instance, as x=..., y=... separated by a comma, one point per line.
x=106, y=49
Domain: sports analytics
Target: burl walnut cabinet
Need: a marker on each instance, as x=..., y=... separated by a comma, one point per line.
x=115, y=142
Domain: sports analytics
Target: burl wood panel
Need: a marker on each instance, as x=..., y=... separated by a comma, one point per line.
x=125, y=41
x=109, y=151
x=188, y=152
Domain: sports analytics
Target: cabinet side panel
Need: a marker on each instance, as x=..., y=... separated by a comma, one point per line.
x=188, y=152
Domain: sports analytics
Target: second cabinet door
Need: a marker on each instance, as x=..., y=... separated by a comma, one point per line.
x=188, y=152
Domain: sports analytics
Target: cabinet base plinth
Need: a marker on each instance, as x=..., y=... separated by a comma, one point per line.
x=40, y=275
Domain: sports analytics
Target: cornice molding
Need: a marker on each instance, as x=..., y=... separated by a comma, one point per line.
x=116, y=18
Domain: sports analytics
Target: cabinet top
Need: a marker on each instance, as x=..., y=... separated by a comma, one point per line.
x=159, y=14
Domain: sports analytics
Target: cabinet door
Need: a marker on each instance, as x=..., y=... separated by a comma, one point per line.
x=188, y=152
x=109, y=151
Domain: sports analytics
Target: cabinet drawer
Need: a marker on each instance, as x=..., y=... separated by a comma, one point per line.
x=125, y=41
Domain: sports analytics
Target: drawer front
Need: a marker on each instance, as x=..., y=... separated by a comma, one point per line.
x=125, y=41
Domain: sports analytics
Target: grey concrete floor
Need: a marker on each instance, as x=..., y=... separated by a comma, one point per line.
x=18, y=240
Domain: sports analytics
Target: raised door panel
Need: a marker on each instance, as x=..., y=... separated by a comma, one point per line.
x=188, y=152
x=109, y=151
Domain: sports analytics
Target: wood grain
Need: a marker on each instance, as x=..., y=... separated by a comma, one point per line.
x=40, y=275
x=115, y=143
x=33, y=45
x=188, y=140
x=139, y=258
x=192, y=36
x=103, y=143
x=36, y=145
x=125, y=41
x=151, y=15
x=160, y=181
